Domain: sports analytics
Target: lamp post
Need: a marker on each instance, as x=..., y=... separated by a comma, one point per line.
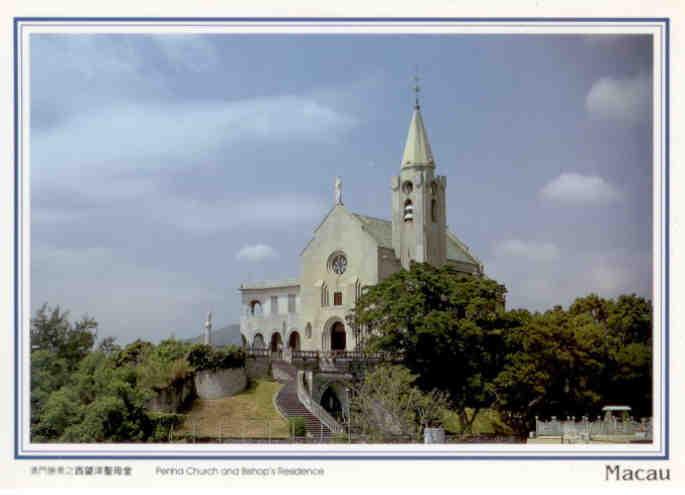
x=349, y=414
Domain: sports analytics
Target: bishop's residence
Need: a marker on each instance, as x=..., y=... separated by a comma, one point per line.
x=349, y=251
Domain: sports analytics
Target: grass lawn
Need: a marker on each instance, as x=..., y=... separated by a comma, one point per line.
x=250, y=414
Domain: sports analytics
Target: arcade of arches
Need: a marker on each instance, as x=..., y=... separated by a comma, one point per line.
x=335, y=339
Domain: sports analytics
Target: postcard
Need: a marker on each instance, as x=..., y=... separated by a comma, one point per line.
x=250, y=250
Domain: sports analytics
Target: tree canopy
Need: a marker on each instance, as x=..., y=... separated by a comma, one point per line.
x=387, y=406
x=446, y=325
x=572, y=362
x=455, y=335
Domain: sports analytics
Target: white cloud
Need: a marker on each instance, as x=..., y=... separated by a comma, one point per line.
x=530, y=250
x=256, y=252
x=620, y=100
x=149, y=135
x=581, y=189
x=539, y=286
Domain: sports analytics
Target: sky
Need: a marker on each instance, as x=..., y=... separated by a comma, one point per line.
x=168, y=169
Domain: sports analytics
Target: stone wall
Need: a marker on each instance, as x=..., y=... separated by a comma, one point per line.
x=220, y=383
x=257, y=367
x=173, y=397
x=279, y=375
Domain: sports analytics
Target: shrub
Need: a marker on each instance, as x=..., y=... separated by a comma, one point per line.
x=205, y=357
x=162, y=424
x=133, y=354
x=297, y=426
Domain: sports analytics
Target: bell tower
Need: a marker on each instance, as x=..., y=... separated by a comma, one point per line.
x=419, y=220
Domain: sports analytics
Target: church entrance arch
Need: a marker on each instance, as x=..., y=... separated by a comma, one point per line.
x=331, y=403
x=338, y=337
x=333, y=335
x=258, y=342
x=276, y=342
x=294, y=341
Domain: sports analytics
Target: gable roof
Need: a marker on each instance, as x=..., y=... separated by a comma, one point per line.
x=381, y=231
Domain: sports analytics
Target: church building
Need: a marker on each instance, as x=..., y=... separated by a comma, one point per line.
x=349, y=251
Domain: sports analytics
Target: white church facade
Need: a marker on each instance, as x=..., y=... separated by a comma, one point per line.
x=349, y=251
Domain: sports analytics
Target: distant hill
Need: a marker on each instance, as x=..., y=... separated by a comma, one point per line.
x=228, y=335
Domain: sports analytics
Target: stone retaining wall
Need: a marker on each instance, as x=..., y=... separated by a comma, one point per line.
x=257, y=367
x=220, y=383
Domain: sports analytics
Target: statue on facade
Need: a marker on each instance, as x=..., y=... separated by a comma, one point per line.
x=338, y=191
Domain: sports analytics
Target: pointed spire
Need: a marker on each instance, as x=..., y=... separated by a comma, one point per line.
x=417, y=150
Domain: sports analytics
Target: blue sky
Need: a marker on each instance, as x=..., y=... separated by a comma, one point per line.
x=166, y=170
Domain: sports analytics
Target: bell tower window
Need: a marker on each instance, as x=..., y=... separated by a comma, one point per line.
x=434, y=210
x=408, y=211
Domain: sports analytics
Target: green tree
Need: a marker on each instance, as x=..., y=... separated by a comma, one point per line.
x=108, y=346
x=553, y=364
x=57, y=346
x=101, y=402
x=388, y=405
x=52, y=331
x=572, y=362
x=48, y=374
x=447, y=326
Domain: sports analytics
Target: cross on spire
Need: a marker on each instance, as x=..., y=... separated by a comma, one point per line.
x=416, y=89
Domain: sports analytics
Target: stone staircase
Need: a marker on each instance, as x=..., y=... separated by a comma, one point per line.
x=289, y=404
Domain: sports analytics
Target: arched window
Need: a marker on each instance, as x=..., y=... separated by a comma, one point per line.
x=308, y=331
x=258, y=342
x=408, y=211
x=255, y=308
x=434, y=210
x=324, y=295
x=357, y=290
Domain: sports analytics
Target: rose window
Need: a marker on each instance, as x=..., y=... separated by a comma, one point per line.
x=339, y=264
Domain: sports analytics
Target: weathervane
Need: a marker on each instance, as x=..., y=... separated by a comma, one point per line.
x=416, y=88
